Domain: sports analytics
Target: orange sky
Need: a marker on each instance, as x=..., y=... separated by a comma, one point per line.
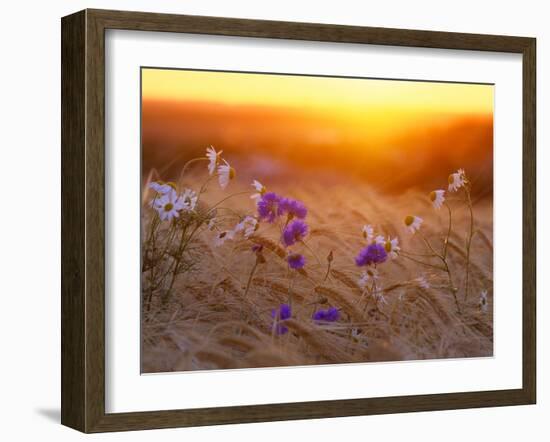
x=380, y=124
x=384, y=102
x=324, y=92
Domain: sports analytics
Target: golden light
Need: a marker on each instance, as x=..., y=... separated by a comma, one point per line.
x=317, y=93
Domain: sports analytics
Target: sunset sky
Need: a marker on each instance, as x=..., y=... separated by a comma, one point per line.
x=289, y=117
x=327, y=93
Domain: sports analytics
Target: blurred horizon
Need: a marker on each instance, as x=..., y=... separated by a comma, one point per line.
x=395, y=135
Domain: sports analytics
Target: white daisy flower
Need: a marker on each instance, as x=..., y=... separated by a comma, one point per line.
x=456, y=180
x=371, y=274
x=213, y=158
x=413, y=223
x=380, y=240
x=391, y=245
x=189, y=198
x=483, y=303
x=248, y=226
x=212, y=223
x=260, y=189
x=161, y=188
x=225, y=174
x=368, y=232
x=422, y=282
x=437, y=197
x=168, y=206
x=222, y=237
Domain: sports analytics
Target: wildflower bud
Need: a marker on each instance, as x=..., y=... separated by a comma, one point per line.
x=330, y=257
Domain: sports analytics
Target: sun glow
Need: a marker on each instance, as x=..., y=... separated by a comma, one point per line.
x=360, y=126
x=328, y=94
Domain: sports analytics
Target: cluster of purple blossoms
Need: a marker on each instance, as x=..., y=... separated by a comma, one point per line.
x=331, y=314
x=296, y=261
x=292, y=208
x=283, y=312
x=372, y=254
x=294, y=232
x=271, y=207
x=268, y=206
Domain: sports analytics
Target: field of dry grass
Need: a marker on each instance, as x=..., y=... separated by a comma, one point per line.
x=206, y=318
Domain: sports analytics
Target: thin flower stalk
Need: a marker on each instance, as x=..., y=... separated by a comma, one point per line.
x=179, y=256
x=406, y=255
x=259, y=260
x=447, y=269
x=186, y=166
x=446, y=241
x=250, y=276
x=468, y=241
x=311, y=251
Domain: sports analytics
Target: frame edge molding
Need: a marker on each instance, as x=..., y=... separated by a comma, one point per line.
x=73, y=213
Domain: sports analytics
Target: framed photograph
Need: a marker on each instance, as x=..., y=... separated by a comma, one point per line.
x=269, y=220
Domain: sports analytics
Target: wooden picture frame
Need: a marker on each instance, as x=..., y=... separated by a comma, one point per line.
x=83, y=220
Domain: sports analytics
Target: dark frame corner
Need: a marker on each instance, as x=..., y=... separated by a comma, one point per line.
x=83, y=215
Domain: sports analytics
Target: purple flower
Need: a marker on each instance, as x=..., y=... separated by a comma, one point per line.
x=330, y=315
x=268, y=206
x=283, y=312
x=372, y=254
x=294, y=232
x=293, y=208
x=296, y=261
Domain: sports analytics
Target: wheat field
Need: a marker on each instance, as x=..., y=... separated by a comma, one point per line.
x=217, y=312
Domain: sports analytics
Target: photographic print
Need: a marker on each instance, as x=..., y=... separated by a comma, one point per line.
x=294, y=220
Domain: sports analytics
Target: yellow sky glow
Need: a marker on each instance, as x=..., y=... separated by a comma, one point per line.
x=321, y=93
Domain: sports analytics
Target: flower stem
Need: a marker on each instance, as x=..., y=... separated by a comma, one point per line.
x=290, y=280
x=186, y=165
x=452, y=287
x=150, y=247
x=443, y=259
x=404, y=255
x=250, y=279
x=312, y=252
x=448, y=231
x=468, y=242
x=179, y=255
